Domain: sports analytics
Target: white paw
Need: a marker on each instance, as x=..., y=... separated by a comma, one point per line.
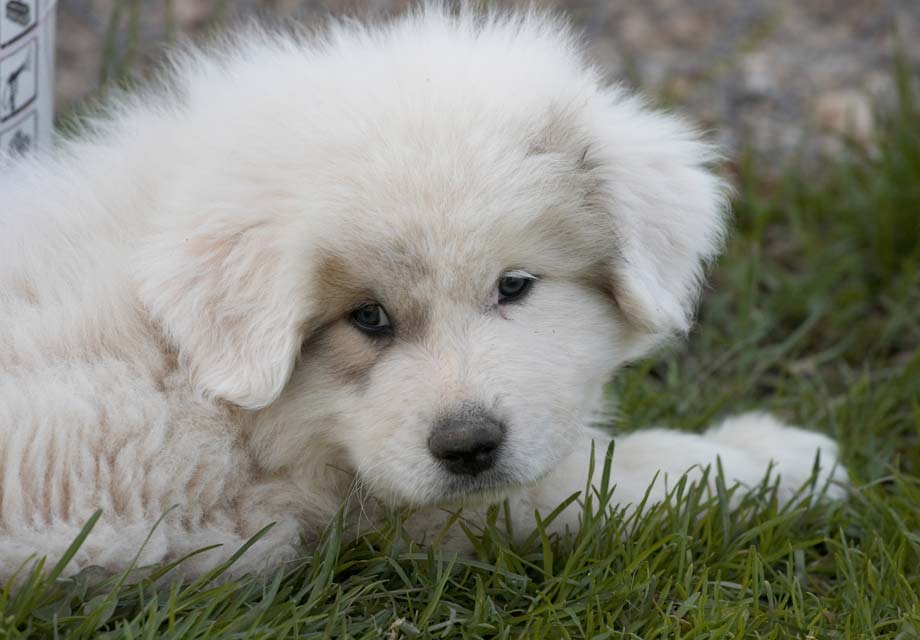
x=791, y=450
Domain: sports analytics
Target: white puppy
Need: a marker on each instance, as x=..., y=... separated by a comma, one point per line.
x=399, y=260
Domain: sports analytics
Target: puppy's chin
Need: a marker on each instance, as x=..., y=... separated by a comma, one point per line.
x=483, y=489
x=449, y=490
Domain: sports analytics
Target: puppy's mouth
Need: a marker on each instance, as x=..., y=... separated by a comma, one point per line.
x=490, y=486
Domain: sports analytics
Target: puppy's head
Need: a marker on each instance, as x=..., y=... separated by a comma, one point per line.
x=426, y=256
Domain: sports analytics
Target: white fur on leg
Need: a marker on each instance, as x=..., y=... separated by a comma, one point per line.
x=747, y=446
x=792, y=450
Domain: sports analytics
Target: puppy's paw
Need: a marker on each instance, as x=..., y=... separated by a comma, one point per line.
x=792, y=452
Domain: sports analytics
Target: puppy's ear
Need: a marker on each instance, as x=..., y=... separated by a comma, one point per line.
x=666, y=207
x=230, y=294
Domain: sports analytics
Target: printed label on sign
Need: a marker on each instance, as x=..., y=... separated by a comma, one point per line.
x=18, y=80
x=26, y=75
x=17, y=17
x=21, y=137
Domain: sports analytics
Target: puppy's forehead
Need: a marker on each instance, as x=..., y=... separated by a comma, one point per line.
x=451, y=191
x=433, y=208
x=454, y=244
x=406, y=266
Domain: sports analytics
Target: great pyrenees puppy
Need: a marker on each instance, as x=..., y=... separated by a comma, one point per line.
x=396, y=261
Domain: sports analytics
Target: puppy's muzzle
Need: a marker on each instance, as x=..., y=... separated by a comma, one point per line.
x=466, y=440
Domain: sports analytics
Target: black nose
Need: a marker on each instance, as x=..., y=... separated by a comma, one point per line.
x=466, y=440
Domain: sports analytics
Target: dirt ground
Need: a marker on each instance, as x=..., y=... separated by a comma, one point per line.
x=780, y=77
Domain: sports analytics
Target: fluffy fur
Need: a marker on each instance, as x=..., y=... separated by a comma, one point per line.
x=176, y=284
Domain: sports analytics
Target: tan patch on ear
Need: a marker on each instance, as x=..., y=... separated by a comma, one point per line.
x=564, y=141
x=603, y=278
x=559, y=132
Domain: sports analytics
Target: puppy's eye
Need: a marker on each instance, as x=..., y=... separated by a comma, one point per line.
x=514, y=286
x=371, y=318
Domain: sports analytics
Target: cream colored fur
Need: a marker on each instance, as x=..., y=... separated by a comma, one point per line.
x=175, y=286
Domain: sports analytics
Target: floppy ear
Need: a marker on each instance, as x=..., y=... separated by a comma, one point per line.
x=667, y=209
x=231, y=295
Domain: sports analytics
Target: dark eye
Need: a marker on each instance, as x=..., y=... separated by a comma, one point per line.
x=512, y=287
x=371, y=318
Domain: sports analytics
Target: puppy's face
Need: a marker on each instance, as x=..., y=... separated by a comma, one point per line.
x=463, y=326
x=425, y=278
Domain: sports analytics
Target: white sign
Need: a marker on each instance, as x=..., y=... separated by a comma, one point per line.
x=26, y=74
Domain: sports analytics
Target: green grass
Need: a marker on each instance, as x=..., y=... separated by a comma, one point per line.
x=813, y=313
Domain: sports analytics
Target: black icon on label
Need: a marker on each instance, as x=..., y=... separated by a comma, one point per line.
x=21, y=138
x=12, y=84
x=17, y=18
x=18, y=12
x=18, y=78
x=20, y=143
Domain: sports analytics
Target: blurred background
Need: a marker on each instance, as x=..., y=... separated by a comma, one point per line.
x=789, y=79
